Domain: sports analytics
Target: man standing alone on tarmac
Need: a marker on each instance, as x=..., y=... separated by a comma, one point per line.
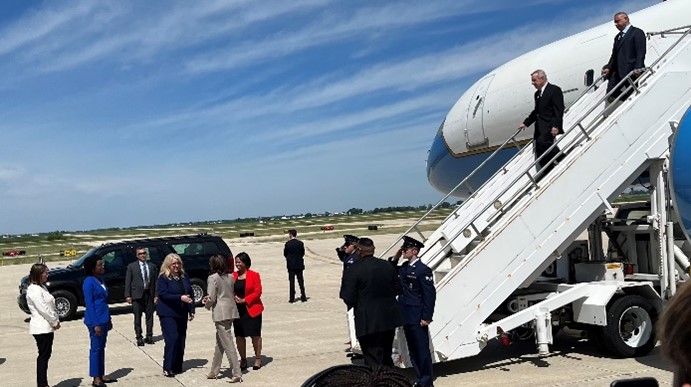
x=140, y=291
x=294, y=252
x=417, y=305
x=371, y=287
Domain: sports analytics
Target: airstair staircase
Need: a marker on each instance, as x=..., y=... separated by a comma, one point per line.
x=513, y=227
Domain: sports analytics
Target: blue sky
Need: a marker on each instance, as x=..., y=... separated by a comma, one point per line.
x=125, y=113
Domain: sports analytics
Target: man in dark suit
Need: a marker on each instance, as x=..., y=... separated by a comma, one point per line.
x=294, y=252
x=628, y=54
x=140, y=291
x=547, y=116
x=371, y=287
x=417, y=305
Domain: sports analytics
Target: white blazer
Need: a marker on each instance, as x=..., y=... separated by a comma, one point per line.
x=44, y=315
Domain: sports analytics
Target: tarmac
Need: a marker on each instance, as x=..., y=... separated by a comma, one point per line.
x=298, y=340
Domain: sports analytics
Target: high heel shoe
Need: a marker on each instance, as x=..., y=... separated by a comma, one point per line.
x=235, y=379
x=243, y=364
x=256, y=367
x=211, y=376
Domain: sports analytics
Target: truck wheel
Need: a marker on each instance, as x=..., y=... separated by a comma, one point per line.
x=198, y=289
x=65, y=303
x=630, y=330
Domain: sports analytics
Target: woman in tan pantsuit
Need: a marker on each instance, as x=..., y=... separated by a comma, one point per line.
x=223, y=310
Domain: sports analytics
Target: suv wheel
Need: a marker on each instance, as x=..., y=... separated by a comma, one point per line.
x=65, y=303
x=198, y=289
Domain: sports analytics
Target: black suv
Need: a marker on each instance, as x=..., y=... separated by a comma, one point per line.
x=65, y=284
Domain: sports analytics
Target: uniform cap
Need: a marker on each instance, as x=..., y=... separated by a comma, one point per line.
x=350, y=239
x=409, y=242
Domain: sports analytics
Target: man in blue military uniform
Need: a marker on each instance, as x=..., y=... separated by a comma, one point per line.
x=417, y=305
x=348, y=256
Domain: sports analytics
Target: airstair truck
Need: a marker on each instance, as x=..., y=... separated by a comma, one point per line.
x=508, y=258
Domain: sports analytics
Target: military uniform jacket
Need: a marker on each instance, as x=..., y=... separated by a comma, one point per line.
x=419, y=294
x=348, y=261
x=371, y=287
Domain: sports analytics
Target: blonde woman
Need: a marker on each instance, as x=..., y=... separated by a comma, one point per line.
x=224, y=310
x=44, y=319
x=175, y=308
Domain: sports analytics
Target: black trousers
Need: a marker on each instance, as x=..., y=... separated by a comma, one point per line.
x=44, y=342
x=417, y=338
x=376, y=348
x=301, y=282
x=146, y=305
x=542, y=144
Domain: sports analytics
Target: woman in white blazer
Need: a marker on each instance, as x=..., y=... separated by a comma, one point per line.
x=44, y=319
x=223, y=311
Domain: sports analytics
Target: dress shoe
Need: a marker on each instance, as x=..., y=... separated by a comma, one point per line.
x=291, y=301
x=243, y=364
x=168, y=374
x=235, y=379
x=303, y=299
x=140, y=343
x=149, y=340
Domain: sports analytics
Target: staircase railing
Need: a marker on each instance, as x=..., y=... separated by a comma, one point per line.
x=633, y=80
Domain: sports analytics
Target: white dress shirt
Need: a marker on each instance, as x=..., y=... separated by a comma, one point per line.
x=44, y=315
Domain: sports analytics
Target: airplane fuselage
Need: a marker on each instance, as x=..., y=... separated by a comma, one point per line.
x=491, y=110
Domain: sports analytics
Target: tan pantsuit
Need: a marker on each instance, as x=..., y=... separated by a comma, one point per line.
x=223, y=312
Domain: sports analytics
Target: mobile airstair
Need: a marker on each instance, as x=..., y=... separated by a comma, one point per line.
x=499, y=242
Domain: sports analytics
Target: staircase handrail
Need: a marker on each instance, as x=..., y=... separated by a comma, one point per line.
x=647, y=72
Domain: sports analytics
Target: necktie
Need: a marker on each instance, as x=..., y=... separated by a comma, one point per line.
x=621, y=35
x=145, y=269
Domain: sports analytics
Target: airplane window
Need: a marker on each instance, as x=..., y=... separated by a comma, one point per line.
x=589, y=77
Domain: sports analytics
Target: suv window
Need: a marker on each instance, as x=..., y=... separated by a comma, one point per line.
x=115, y=260
x=196, y=249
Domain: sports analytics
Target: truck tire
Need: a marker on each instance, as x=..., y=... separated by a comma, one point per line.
x=198, y=289
x=65, y=303
x=630, y=330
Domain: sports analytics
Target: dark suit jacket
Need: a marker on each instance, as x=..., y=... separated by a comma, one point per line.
x=134, y=282
x=371, y=287
x=548, y=112
x=628, y=53
x=169, y=302
x=419, y=294
x=294, y=251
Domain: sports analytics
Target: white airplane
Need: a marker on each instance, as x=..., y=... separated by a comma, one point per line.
x=491, y=110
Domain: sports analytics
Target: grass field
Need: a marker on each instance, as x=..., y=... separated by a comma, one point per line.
x=264, y=231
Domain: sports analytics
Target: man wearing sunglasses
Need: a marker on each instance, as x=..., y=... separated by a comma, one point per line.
x=140, y=291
